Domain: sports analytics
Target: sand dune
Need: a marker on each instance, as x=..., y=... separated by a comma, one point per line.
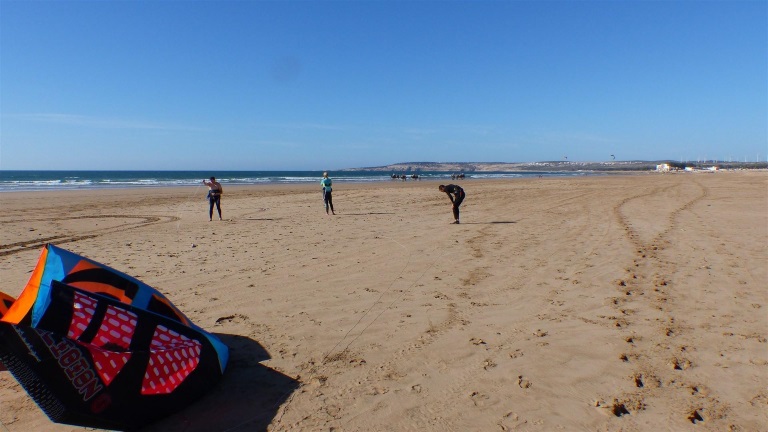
x=600, y=303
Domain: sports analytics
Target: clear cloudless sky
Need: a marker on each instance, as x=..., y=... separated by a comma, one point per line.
x=312, y=85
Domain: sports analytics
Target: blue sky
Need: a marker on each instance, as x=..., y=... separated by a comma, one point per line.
x=273, y=85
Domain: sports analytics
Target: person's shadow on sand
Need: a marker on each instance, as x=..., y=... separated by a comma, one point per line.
x=488, y=223
x=247, y=398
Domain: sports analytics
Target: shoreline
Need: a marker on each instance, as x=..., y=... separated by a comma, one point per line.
x=55, y=180
x=345, y=182
x=32, y=181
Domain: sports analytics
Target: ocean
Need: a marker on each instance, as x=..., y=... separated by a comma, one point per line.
x=74, y=180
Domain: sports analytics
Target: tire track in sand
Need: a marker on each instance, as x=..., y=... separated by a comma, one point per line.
x=33, y=244
x=657, y=345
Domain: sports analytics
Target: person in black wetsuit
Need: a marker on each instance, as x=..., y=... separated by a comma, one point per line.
x=214, y=196
x=456, y=198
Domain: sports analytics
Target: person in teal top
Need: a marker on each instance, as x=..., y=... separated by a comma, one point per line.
x=326, y=183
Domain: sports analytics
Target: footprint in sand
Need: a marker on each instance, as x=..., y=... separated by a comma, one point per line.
x=695, y=416
x=621, y=408
x=477, y=341
x=478, y=398
x=523, y=383
x=680, y=363
x=236, y=318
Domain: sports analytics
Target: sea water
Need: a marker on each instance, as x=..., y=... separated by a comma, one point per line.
x=73, y=180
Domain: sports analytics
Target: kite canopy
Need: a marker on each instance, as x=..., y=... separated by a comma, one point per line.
x=5, y=302
x=97, y=348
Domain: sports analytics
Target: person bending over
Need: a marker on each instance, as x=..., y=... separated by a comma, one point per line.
x=456, y=194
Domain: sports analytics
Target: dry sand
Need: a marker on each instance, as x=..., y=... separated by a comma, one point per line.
x=611, y=303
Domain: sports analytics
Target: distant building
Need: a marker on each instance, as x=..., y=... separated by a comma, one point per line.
x=662, y=168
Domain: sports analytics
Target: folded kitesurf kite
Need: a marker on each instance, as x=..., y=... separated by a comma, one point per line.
x=97, y=348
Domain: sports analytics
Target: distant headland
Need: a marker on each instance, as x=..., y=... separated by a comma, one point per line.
x=553, y=166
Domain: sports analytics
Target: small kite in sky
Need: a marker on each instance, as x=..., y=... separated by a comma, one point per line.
x=97, y=348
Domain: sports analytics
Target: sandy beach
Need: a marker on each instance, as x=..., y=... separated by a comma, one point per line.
x=605, y=303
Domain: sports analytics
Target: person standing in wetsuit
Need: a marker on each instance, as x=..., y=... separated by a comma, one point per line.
x=326, y=183
x=214, y=196
x=456, y=194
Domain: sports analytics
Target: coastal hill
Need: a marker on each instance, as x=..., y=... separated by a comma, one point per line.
x=507, y=166
x=467, y=167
